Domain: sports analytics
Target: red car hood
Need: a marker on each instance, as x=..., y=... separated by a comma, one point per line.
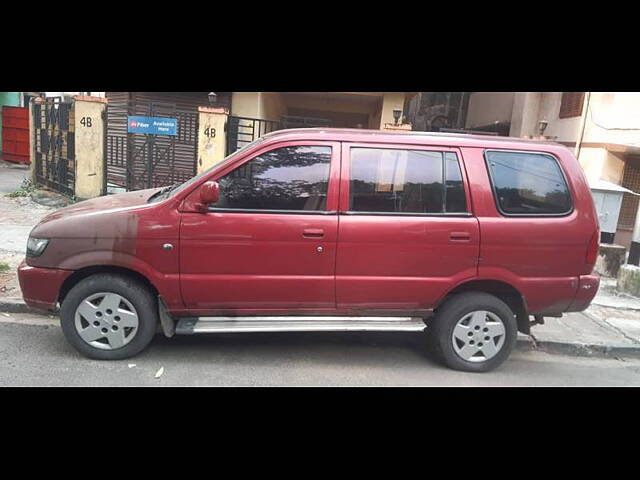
x=54, y=224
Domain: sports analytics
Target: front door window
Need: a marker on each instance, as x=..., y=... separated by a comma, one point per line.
x=291, y=179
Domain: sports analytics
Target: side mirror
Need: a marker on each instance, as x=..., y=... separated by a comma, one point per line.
x=209, y=193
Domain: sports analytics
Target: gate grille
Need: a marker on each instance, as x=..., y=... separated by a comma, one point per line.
x=138, y=161
x=54, y=130
x=242, y=130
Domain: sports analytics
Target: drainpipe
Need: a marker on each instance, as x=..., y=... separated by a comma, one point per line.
x=583, y=123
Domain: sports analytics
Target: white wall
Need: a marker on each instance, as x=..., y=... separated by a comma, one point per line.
x=613, y=118
x=486, y=108
x=565, y=129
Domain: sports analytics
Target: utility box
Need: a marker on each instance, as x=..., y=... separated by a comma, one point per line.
x=607, y=197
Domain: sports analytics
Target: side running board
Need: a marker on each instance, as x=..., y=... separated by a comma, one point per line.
x=191, y=325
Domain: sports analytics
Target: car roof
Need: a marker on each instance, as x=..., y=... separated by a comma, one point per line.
x=410, y=137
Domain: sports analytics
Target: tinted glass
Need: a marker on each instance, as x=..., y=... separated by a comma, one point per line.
x=404, y=181
x=288, y=178
x=528, y=183
x=455, y=199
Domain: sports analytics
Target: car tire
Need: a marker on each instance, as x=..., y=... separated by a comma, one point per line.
x=473, y=332
x=120, y=308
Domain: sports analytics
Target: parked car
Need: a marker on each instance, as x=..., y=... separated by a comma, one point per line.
x=330, y=230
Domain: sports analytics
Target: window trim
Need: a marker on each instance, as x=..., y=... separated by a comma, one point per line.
x=406, y=214
x=332, y=187
x=442, y=149
x=279, y=212
x=527, y=215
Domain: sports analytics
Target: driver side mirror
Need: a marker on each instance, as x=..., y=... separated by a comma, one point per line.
x=209, y=193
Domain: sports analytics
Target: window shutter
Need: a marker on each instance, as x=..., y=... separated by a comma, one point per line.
x=571, y=104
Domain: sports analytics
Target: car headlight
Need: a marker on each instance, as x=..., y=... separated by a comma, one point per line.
x=35, y=246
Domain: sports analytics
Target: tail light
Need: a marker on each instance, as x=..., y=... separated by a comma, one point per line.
x=592, y=250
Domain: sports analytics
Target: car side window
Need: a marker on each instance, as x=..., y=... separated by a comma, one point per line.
x=294, y=178
x=405, y=181
x=528, y=183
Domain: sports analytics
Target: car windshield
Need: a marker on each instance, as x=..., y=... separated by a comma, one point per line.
x=179, y=187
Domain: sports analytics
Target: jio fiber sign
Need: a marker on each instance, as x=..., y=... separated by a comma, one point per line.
x=152, y=125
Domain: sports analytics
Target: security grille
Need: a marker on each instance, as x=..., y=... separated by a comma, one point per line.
x=54, y=131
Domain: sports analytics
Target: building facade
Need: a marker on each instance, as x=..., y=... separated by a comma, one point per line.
x=602, y=128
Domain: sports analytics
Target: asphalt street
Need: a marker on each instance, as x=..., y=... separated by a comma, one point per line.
x=33, y=352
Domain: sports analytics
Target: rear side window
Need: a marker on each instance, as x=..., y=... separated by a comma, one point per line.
x=405, y=181
x=528, y=183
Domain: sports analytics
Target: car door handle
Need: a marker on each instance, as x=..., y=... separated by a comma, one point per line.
x=313, y=233
x=460, y=236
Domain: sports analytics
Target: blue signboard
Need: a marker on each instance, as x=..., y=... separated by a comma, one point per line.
x=152, y=125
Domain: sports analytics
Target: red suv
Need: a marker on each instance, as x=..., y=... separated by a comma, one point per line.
x=463, y=236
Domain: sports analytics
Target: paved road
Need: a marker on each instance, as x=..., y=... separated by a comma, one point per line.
x=11, y=176
x=39, y=355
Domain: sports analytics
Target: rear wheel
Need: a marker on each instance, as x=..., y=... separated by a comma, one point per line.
x=109, y=316
x=473, y=332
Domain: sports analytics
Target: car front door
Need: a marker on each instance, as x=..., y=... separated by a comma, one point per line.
x=269, y=243
x=406, y=234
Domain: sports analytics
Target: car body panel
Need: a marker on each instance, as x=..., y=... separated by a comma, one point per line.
x=254, y=262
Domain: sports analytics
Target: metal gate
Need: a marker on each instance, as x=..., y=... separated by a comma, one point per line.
x=242, y=130
x=137, y=161
x=54, y=131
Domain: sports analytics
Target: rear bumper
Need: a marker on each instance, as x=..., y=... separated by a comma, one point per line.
x=41, y=286
x=587, y=289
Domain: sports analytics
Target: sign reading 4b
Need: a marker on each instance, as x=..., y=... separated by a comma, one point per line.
x=152, y=125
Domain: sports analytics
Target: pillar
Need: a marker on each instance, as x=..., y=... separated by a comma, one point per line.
x=212, y=137
x=89, y=121
x=32, y=139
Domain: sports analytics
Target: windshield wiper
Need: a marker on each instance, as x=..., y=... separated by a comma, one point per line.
x=162, y=192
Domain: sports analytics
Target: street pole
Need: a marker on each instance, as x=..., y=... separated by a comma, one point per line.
x=634, y=251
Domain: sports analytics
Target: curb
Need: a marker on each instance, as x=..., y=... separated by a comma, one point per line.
x=576, y=349
x=618, y=307
x=17, y=305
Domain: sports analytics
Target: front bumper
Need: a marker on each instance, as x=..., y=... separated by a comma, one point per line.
x=41, y=286
x=587, y=289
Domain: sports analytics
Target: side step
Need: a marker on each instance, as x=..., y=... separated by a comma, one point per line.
x=189, y=326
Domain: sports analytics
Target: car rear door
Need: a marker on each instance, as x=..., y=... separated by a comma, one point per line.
x=406, y=231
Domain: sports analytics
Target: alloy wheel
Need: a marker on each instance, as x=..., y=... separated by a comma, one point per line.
x=478, y=336
x=106, y=321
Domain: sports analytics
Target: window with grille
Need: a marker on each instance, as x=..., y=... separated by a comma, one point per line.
x=630, y=180
x=571, y=105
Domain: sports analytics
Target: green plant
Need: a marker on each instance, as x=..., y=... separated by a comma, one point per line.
x=4, y=267
x=25, y=189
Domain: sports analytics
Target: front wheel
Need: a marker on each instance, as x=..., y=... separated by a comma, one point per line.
x=109, y=316
x=473, y=332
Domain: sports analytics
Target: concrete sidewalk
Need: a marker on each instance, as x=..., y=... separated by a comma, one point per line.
x=594, y=332
x=18, y=215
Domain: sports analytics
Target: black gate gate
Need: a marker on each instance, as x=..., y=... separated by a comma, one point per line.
x=137, y=161
x=242, y=131
x=54, y=131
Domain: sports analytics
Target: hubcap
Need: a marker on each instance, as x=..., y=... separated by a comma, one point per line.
x=106, y=321
x=478, y=336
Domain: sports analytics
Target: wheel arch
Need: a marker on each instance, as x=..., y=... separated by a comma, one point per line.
x=80, y=274
x=500, y=289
